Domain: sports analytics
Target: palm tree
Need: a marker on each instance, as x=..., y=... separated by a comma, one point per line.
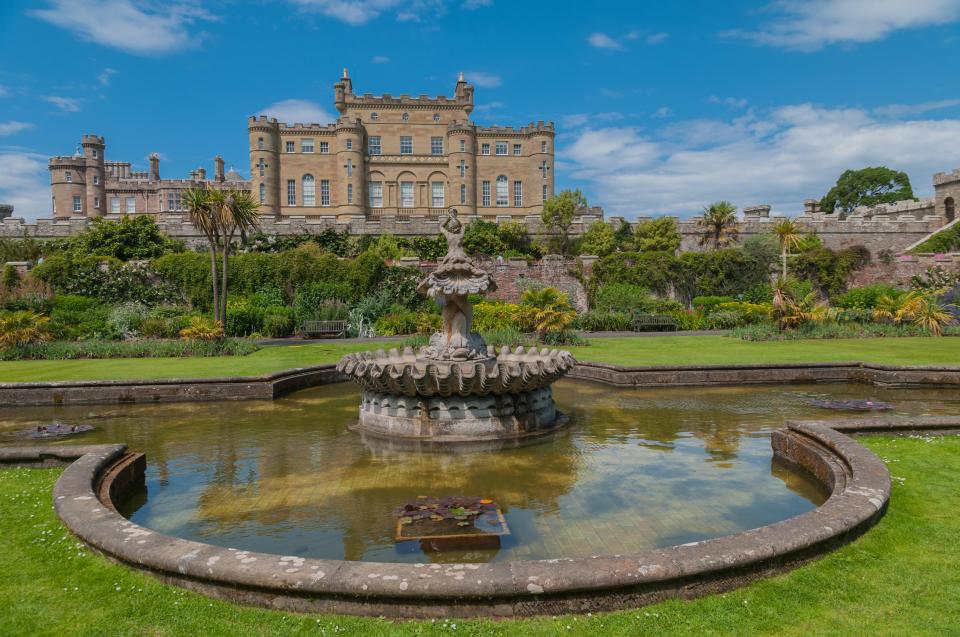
x=789, y=234
x=718, y=224
x=198, y=204
x=552, y=311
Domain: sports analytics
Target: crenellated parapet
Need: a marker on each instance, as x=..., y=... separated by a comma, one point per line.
x=537, y=128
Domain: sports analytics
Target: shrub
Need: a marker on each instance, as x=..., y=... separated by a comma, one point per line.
x=747, y=312
x=723, y=320
x=129, y=238
x=279, y=323
x=400, y=322
x=201, y=328
x=768, y=331
x=622, y=297
x=865, y=298
x=604, y=321
x=309, y=298
x=23, y=327
x=758, y=293
x=707, y=304
x=374, y=305
x=64, y=350
x=124, y=320
x=689, y=320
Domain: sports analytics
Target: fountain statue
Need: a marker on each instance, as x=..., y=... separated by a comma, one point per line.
x=457, y=388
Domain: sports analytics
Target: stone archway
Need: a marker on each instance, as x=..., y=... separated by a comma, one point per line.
x=949, y=208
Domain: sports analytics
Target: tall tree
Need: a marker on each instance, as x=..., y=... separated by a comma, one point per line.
x=789, y=235
x=718, y=224
x=558, y=212
x=866, y=187
x=238, y=214
x=197, y=204
x=657, y=234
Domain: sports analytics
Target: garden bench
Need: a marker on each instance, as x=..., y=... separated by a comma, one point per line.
x=335, y=329
x=645, y=322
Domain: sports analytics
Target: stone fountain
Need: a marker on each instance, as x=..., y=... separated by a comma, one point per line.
x=457, y=388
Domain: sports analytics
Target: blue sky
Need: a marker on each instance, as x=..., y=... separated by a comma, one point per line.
x=661, y=107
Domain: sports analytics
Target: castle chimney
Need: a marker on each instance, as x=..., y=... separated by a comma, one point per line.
x=218, y=168
x=341, y=90
x=811, y=207
x=201, y=174
x=154, y=167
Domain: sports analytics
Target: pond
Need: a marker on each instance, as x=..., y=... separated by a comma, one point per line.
x=636, y=469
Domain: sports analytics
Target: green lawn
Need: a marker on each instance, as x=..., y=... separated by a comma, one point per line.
x=901, y=578
x=662, y=350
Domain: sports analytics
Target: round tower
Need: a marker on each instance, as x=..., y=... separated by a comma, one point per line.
x=542, y=139
x=96, y=190
x=265, y=163
x=68, y=186
x=348, y=195
x=462, y=166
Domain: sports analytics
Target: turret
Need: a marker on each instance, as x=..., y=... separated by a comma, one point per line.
x=265, y=163
x=461, y=167
x=154, y=167
x=218, y=168
x=341, y=90
x=96, y=190
x=350, y=195
x=464, y=93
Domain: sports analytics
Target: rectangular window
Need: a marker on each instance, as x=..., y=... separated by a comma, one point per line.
x=324, y=192
x=263, y=193
x=349, y=193
x=131, y=204
x=463, y=168
x=170, y=201
x=261, y=165
x=373, y=145
x=308, y=192
x=484, y=149
x=306, y=145
x=114, y=205
x=436, y=194
x=517, y=150
x=406, y=194
x=406, y=145
x=543, y=147
x=544, y=192
x=291, y=192
x=77, y=204
x=68, y=177
x=291, y=147
x=486, y=193
x=501, y=148
x=349, y=144
x=376, y=194
x=259, y=143
x=517, y=194
x=544, y=169
x=96, y=153
x=502, y=194
x=463, y=193
x=324, y=148
x=463, y=145
x=176, y=200
x=436, y=145
x=96, y=180
x=96, y=202
x=349, y=168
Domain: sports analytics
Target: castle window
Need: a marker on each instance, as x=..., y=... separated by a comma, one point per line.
x=263, y=193
x=349, y=168
x=291, y=192
x=463, y=193
x=436, y=194
x=517, y=150
x=374, y=116
x=463, y=145
x=96, y=180
x=517, y=194
x=77, y=204
x=949, y=208
x=173, y=201
x=502, y=194
x=349, y=144
x=545, y=193
x=115, y=205
x=406, y=117
x=544, y=168
x=259, y=143
x=308, y=191
x=463, y=168
x=324, y=148
x=406, y=145
x=373, y=145
x=324, y=192
x=406, y=194
x=96, y=153
x=291, y=147
x=68, y=177
x=349, y=193
x=436, y=145
x=436, y=117
x=96, y=202
x=261, y=165
x=501, y=148
x=543, y=147
x=306, y=145
x=484, y=149
x=486, y=193
x=376, y=194
x=131, y=204
x=53, y=202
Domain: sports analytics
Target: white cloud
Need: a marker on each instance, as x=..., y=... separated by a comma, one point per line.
x=902, y=110
x=479, y=78
x=12, y=127
x=663, y=112
x=360, y=12
x=25, y=183
x=470, y=5
x=656, y=38
x=809, y=25
x=380, y=59
x=732, y=102
x=65, y=104
x=105, y=75
x=486, y=107
x=4, y=91
x=298, y=112
x=576, y=120
x=782, y=157
x=142, y=28
x=604, y=41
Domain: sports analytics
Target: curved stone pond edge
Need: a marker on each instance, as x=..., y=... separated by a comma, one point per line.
x=857, y=480
x=272, y=386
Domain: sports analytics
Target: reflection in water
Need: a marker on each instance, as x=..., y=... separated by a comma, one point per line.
x=636, y=469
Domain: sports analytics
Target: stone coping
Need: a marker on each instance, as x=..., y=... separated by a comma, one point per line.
x=857, y=480
x=270, y=386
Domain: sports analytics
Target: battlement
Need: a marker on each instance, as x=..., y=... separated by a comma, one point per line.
x=97, y=140
x=66, y=161
x=421, y=101
x=261, y=121
x=530, y=129
x=940, y=179
x=906, y=207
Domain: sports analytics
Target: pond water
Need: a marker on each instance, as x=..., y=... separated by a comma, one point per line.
x=636, y=469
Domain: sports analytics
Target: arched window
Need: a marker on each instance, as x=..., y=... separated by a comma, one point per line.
x=503, y=192
x=406, y=117
x=436, y=117
x=308, y=191
x=950, y=208
x=463, y=193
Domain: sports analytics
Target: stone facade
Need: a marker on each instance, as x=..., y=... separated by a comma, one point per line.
x=86, y=185
x=401, y=156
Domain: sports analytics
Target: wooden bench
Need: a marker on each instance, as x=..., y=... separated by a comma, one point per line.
x=323, y=329
x=654, y=322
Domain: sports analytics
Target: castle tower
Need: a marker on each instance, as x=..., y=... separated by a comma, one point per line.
x=218, y=168
x=946, y=194
x=350, y=197
x=464, y=93
x=342, y=90
x=265, y=163
x=461, y=167
x=543, y=160
x=96, y=190
x=154, y=167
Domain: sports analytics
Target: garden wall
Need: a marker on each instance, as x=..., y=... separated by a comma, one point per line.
x=900, y=270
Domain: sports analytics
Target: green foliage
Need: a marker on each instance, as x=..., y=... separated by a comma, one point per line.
x=25, y=249
x=768, y=331
x=23, y=327
x=941, y=242
x=622, y=297
x=656, y=235
x=428, y=248
x=724, y=272
x=604, y=321
x=654, y=271
x=279, y=322
x=104, y=278
x=483, y=238
x=65, y=350
x=827, y=270
x=202, y=328
x=125, y=319
x=708, y=304
x=129, y=238
x=599, y=239
x=403, y=321
x=718, y=225
x=189, y=273
x=557, y=215
x=935, y=279
x=11, y=278
x=865, y=298
x=866, y=187
x=311, y=298
x=328, y=240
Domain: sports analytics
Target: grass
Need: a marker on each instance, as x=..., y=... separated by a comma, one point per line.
x=654, y=350
x=901, y=578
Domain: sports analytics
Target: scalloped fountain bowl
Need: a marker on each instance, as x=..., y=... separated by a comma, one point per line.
x=499, y=396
